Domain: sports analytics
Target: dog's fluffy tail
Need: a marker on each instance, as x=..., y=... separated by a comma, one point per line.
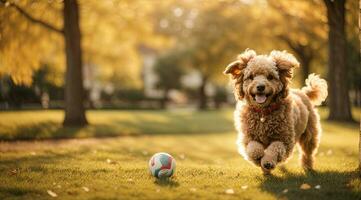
x=315, y=89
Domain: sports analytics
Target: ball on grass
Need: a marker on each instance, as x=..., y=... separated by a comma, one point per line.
x=162, y=165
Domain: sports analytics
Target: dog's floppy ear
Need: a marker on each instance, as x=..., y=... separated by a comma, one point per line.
x=285, y=62
x=235, y=68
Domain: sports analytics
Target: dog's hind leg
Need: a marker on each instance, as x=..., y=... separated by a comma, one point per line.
x=309, y=141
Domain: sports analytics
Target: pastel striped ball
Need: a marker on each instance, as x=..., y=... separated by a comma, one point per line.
x=162, y=165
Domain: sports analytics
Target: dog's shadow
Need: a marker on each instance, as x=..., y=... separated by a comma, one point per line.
x=317, y=185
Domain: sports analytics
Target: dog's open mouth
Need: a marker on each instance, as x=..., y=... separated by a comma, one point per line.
x=260, y=97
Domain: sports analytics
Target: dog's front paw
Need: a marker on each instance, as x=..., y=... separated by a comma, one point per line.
x=255, y=152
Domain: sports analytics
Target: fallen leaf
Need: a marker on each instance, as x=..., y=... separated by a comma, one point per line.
x=244, y=187
x=58, y=186
x=182, y=156
x=329, y=152
x=229, y=191
x=72, y=192
x=318, y=187
x=158, y=190
x=111, y=161
x=145, y=153
x=193, y=189
x=33, y=153
x=51, y=193
x=305, y=186
x=14, y=172
x=86, y=189
x=285, y=191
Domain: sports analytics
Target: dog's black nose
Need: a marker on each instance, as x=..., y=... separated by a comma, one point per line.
x=268, y=165
x=260, y=88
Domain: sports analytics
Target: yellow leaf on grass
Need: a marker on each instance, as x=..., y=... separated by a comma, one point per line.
x=51, y=193
x=305, y=186
x=86, y=189
x=13, y=172
x=111, y=161
x=229, y=191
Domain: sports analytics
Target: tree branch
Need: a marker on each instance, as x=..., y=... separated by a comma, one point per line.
x=303, y=51
x=288, y=41
x=31, y=18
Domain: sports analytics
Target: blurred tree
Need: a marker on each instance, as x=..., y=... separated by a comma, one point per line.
x=220, y=96
x=74, y=91
x=297, y=25
x=220, y=33
x=113, y=33
x=170, y=69
x=353, y=54
x=359, y=28
x=25, y=46
x=339, y=101
x=109, y=44
x=211, y=34
x=45, y=86
x=16, y=95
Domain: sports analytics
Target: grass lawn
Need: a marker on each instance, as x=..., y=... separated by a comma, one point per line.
x=203, y=144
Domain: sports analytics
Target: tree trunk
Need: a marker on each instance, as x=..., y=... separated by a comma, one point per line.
x=359, y=145
x=359, y=27
x=74, y=90
x=164, y=100
x=202, y=94
x=305, y=67
x=339, y=101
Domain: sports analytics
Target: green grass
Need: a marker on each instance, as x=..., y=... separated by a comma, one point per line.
x=203, y=143
x=26, y=125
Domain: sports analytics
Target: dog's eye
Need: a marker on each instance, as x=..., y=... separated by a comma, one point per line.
x=250, y=77
x=270, y=77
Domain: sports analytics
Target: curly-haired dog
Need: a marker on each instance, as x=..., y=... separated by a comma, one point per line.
x=271, y=118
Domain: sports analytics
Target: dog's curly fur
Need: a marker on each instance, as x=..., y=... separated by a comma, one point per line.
x=268, y=138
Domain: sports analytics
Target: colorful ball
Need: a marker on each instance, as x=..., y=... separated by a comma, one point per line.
x=162, y=165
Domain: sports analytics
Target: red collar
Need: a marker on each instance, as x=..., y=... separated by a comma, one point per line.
x=267, y=110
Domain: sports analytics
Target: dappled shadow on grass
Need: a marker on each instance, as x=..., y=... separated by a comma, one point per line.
x=149, y=123
x=42, y=130
x=38, y=160
x=7, y=191
x=333, y=185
